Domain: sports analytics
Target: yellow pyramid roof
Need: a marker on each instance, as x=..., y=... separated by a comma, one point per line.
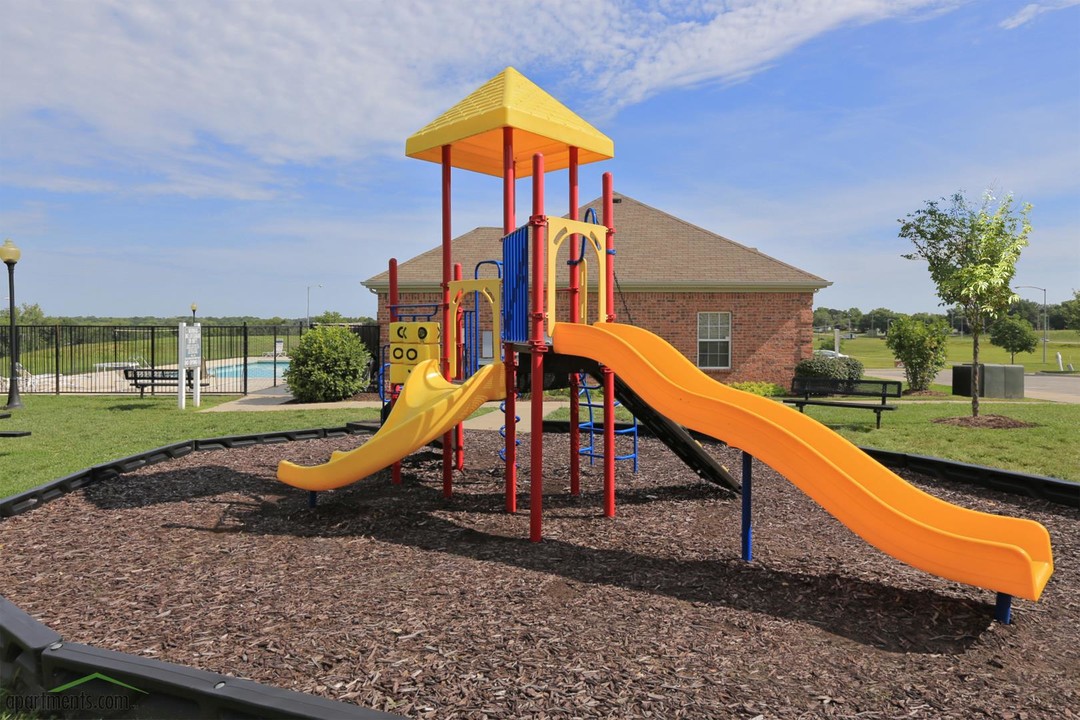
x=473, y=128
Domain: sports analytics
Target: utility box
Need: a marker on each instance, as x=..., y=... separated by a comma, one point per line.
x=995, y=381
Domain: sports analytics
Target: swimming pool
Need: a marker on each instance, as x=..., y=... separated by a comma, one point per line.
x=259, y=370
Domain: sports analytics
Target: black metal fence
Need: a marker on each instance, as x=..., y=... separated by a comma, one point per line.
x=236, y=359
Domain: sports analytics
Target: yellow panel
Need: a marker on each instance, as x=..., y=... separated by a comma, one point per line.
x=400, y=373
x=491, y=290
x=415, y=332
x=594, y=237
x=473, y=129
x=412, y=353
x=1005, y=554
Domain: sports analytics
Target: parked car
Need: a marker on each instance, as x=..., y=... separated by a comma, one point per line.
x=829, y=353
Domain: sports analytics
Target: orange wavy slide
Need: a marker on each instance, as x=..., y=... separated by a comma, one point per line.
x=1005, y=554
x=427, y=407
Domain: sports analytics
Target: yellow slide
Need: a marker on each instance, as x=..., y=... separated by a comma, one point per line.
x=427, y=407
x=1004, y=554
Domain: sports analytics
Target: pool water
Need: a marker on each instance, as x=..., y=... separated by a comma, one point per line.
x=261, y=370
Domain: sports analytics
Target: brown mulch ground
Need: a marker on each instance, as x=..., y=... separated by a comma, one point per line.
x=393, y=598
x=993, y=422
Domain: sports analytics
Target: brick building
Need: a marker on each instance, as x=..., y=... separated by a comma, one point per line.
x=735, y=312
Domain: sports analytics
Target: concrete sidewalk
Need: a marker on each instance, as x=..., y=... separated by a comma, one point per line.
x=1037, y=386
x=278, y=398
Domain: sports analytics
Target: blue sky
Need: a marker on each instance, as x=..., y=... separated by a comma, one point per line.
x=235, y=154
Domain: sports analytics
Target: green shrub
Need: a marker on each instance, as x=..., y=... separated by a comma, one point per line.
x=845, y=368
x=765, y=389
x=921, y=347
x=828, y=342
x=329, y=364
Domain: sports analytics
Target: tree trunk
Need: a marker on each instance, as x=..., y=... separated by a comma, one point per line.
x=975, y=370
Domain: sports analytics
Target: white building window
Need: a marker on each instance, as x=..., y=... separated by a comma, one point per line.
x=714, y=340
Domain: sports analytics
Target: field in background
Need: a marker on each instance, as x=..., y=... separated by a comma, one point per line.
x=872, y=352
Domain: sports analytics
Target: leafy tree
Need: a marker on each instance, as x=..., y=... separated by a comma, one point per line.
x=972, y=255
x=1070, y=309
x=921, y=346
x=1055, y=316
x=26, y=314
x=327, y=365
x=1070, y=312
x=854, y=318
x=876, y=320
x=823, y=317
x=1028, y=310
x=332, y=317
x=925, y=317
x=1015, y=334
x=828, y=342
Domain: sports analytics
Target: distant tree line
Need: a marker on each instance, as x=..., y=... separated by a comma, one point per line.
x=32, y=314
x=1060, y=316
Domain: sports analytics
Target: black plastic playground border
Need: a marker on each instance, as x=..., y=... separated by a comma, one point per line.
x=35, y=659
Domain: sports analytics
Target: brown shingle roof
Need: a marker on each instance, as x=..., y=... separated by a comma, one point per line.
x=654, y=251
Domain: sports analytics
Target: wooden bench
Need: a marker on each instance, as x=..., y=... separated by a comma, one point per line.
x=143, y=378
x=812, y=388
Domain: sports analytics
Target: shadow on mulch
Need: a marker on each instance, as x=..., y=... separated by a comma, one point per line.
x=890, y=618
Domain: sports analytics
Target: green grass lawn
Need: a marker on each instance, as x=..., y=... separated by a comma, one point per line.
x=872, y=353
x=1049, y=448
x=76, y=431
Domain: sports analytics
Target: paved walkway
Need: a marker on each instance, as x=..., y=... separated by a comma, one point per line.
x=1055, y=388
x=277, y=398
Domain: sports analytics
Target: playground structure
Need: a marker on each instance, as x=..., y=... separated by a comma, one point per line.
x=510, y=126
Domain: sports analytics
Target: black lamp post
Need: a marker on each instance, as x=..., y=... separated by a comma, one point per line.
x=10, y=255
x=194, y=307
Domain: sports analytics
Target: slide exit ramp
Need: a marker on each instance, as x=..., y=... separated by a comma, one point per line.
x=427, y=407
x=669, y=432
x=1004, y=554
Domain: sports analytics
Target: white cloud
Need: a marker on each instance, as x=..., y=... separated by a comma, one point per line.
x=729, y=42
x=1032, y=10
x=159, y=88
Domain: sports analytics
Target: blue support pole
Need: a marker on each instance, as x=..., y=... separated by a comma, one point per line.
x=747, y=529
x=312, y=498
x=1003, y=610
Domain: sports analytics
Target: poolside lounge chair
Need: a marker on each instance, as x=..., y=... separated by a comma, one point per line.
x=279, y=349
x=27, y=380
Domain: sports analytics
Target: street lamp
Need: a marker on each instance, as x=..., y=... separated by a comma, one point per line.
x=10, y=255
x=1032, y=287
x=194, y=307
x=309, y=303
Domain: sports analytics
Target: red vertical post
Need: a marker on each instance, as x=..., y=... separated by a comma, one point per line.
x=392, y=303
x=447, y=460
x=574, y=296
x=609, y=376
x=537, y=349
x=509, y=355
x=609, y=257
x=459, y=430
